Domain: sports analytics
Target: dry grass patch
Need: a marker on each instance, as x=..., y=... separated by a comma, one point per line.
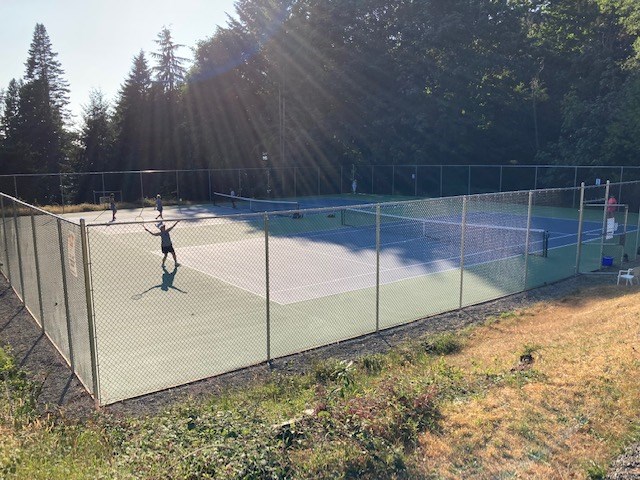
x=563, y=415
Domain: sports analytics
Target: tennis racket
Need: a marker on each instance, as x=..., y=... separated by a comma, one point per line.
x=96, y=219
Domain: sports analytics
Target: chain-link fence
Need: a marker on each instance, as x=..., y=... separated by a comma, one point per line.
x=131, y=319
x=199, y=185
x=42, y=257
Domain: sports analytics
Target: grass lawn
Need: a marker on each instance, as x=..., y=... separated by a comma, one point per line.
x=550, y=391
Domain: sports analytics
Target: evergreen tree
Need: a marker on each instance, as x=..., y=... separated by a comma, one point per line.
x=168, y=126
x=133, y=117
x=42, y=108
x=96, y=135
x=9, y=148
x=169, y=71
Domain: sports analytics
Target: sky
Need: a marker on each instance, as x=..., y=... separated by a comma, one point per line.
x=97, y=40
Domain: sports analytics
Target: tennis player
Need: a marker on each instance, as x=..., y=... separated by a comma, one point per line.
x=354, y=186
x=233, y=200
x=611, y=206
x=159, y=206
x=112, y=207
x=165, y=241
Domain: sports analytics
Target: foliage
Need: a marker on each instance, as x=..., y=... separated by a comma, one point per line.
x=19, y=394
x=35, y=111
x=392, y=416
x=442, y=344
x=332, y=84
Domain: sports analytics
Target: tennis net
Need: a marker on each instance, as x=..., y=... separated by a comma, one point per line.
x=476, y=236
x=253, y=204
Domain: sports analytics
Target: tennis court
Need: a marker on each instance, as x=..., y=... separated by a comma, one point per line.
x=253, y=287
x=160, y=328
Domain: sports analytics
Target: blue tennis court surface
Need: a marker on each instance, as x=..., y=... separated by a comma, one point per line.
x=316, y=264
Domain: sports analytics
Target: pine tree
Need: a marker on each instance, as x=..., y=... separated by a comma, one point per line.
x=168, y=128
x=96, y=135
x=42, y=67
x=42, y=108
x=169, y=70
x=8, y=128
x=132, y=118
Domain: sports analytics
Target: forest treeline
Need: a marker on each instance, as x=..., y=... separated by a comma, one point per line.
x=341, y=82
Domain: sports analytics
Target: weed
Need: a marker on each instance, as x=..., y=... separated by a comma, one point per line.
x=373, y=364
x=397, y=412
x=442, y=344
x=19, y=394
x=529, y=349
x=596, y=471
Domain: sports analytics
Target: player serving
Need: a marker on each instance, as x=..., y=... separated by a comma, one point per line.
x=165, y=241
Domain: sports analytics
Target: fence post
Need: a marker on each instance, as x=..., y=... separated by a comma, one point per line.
x=37, y=262
x=604, y=222
x=141, y=190
x=209, y=179
x=441, y=181
x=90, y=321
x=266, y=263
x=393, y=180
x=178, y=199
x=103, y=189
x=15, y=223
x=500, y=187
x=15, y=187
x=372, y=187
x=620, y=185
x=6, y=244
x=635, y=252
x=624, y=232
x=580, y=220
x=61, y=192
x=462, y=231
x=535, y=179
x=468, y=179
x=415, y=182
x=377, y=268
x=575, y=185
x=63, y=269
x=527, y=239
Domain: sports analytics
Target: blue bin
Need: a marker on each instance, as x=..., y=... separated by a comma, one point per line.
x=607, y=261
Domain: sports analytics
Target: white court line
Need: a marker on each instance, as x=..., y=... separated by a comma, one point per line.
x=222, y=280
x=336, y=257
x=351, y=277
x=403, y=268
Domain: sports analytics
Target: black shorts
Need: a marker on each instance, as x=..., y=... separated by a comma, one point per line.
x=168, y=249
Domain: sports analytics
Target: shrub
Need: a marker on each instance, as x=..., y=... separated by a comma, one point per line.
x=373, y=364
x=442, y=344
x=18, y=393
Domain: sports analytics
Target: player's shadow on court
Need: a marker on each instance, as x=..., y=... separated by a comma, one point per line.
x=168, y=278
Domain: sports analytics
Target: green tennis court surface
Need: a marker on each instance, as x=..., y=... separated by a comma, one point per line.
x=157, y=328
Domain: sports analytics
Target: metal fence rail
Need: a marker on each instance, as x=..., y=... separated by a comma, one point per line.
x=420, y=180
x=254, y=287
